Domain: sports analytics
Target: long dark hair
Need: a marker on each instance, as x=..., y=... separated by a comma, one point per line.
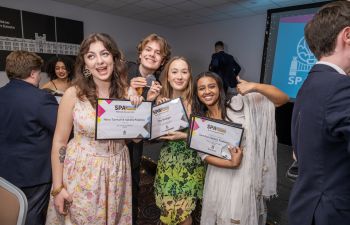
x=86, y=85
x=51, y=65
x=201, y=109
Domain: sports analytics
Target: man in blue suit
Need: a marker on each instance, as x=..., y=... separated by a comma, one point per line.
x=28, y=119
x=321, y=124
x=225, y=66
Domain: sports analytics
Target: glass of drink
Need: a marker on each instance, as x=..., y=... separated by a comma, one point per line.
x=149, y=79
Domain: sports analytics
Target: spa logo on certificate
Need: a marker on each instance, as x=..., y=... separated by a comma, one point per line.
x=168, y=116
x=213, y=136
x=119, y=119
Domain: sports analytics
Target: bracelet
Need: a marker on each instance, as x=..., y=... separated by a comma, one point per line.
x=56, y=191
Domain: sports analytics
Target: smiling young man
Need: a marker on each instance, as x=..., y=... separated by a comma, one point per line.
x=153, y=53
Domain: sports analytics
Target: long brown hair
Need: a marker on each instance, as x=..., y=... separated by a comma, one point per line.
x=200, y=108
x=86, y=85
x=167, y=90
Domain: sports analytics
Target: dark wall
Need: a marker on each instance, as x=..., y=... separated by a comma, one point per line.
x=283, y=122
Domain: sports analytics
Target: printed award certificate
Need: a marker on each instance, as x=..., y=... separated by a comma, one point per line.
x=119, y=119
x=213, y=136
x=169, y=116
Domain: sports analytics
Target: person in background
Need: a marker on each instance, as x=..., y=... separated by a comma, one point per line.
x=91, y=178
x=225, y=66
x=28, y=118
x=60, y=72
x=235, y=190
x=180, y=172
x=153, y=54
x=321, y=123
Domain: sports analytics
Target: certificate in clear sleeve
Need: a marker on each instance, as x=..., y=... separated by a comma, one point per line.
x=213, y=136
x=168, y=116
x=119, y=119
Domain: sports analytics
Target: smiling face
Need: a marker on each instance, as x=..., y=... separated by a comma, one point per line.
x=178, y=75
x=208, y=91
x=151, y=57
x=61, y=70
x=99, y=61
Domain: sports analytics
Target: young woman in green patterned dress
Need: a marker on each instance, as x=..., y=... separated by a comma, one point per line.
x=180, y=173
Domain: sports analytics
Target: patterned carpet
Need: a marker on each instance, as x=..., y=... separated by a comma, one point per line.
x=148, y=211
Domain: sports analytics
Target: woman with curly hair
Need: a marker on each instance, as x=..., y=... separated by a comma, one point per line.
x=91, y=178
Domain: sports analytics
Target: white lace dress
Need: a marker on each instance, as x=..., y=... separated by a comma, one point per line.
x=237, y=196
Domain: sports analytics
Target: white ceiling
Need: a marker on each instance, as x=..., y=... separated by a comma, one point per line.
x=180, y=13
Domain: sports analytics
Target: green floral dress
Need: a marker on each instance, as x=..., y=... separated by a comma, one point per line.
x=179, y=181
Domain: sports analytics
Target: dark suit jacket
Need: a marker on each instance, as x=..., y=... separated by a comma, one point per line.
x=321, y=140
x=226, y=67
x=28, y=119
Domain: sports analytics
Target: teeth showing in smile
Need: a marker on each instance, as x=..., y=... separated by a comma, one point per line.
x=208, y=98
x=101, y=70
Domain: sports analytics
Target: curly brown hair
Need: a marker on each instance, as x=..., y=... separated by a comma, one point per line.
x=85, y=85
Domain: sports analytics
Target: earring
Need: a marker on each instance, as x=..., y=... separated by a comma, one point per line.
x=86, y=73
x=116, y=75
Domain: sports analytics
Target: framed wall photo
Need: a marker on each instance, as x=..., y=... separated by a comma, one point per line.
x=213, y=136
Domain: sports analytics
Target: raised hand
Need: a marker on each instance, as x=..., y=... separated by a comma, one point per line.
x=138, y=82
x=245, y=87
x=154, y=91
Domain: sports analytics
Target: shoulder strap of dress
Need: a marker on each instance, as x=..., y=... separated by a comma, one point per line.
x=53, y=84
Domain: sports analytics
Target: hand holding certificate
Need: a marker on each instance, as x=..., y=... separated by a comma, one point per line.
x=119, y=119
x=167, y=117
x=214, y=137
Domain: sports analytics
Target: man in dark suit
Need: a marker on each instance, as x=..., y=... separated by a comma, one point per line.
x=28, y=119
x=225, y=66
x=321, y=124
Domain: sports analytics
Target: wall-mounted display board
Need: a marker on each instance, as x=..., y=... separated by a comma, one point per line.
x=287, y=58
x=45, y=35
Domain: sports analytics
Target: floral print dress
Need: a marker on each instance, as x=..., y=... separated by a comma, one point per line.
x=179, y=181
x=96, y=174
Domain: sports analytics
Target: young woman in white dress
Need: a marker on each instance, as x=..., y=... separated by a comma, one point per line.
x=235, y=190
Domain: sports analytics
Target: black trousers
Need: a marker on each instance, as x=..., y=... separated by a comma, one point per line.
x=38, y=199
x=135, y=152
